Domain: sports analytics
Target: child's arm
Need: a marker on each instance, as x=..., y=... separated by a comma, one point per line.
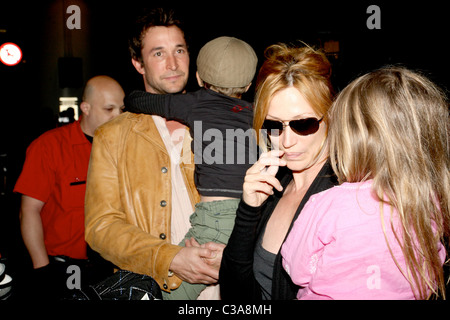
x=170, y=106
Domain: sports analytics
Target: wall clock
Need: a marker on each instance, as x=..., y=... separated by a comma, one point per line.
x=10, y=54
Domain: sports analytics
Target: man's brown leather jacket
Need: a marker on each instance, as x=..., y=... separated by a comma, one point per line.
x=128, y=197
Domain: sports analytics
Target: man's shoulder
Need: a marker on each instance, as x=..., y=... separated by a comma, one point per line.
x=55, y=134
x=123, y=122
x=126, y=128
x=122, y=119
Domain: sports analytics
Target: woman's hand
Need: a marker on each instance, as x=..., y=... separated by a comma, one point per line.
x=260, y=178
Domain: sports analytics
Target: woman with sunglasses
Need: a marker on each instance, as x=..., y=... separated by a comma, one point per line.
x=293, y=96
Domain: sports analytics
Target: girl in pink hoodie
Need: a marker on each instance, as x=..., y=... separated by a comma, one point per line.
x=380, y=233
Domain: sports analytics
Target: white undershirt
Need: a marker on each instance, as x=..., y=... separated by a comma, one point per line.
x=181, y=203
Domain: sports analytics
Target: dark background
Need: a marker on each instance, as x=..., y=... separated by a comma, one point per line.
x=412, y=34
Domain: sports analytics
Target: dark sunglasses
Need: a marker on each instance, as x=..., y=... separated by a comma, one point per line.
x=302, y=127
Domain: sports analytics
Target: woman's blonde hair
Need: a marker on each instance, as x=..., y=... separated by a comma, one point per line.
x=304, y=68
x=392, y=126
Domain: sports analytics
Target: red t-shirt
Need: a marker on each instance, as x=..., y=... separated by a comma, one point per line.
x=55, y=172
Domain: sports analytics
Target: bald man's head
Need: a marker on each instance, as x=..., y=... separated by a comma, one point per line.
x=102, y=101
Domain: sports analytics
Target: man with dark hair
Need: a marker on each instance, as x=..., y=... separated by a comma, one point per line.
x=157, y=26
x=150, y=18
x=140, y=190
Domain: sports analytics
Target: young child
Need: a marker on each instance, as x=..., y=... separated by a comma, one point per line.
x=224, y=147
x=380, y=234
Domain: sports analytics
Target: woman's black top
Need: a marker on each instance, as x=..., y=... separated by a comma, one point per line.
x=237, y=277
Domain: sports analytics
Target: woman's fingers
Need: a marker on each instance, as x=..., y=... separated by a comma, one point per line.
x=266, y=160
x=260, y=178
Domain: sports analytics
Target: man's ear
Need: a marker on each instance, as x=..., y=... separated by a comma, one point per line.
x=85, y=108
x=138, y=66
x=248, y=87
x=199, y=80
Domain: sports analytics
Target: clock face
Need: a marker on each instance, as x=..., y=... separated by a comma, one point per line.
x=10, y=54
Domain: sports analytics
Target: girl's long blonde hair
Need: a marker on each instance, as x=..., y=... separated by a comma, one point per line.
x=392, y=126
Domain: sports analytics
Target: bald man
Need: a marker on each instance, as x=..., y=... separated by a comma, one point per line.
x=53, y=184
x=102, y=101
